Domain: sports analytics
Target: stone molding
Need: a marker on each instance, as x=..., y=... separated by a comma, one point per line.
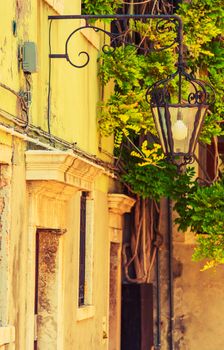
x=85, y=312
x=51, y=189
x=64, y=169
x=7, y=335
x=120, y=203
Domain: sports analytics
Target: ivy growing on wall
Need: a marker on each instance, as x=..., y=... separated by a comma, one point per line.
x=202, y=210
x=203, y=33
x=202, y=207
x=127, y=115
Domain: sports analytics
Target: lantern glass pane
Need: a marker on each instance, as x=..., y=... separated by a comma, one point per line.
x=178, y=127
x=197, y=129
x=186, y=123
x=160, y=121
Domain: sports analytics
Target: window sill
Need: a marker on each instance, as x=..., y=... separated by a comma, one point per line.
x=7, y=335
x=84, y=312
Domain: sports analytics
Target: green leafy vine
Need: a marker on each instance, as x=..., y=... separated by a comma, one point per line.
x=127, y=115
x=100, y=7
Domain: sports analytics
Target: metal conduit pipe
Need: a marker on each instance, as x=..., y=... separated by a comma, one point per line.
x=170, y=274
x=158, y=304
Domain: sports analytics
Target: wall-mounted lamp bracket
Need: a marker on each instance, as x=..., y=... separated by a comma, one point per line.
x=117, y=38
x=178, y=123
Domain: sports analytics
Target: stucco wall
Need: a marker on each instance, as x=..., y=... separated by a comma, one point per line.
x=198, y=297
x=199, y=303
x=73, y=94
x=36, y=204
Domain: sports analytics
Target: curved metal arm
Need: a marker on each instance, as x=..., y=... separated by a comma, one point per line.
x=120, y=38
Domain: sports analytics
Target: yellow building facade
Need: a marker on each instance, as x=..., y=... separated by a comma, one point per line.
x=51, y=161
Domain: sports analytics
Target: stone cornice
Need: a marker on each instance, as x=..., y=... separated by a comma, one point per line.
x=66, y=168
x=120, y=203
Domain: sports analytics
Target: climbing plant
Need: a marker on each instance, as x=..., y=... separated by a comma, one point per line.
x=203, y=33
x=201, y=209
x=100, y=7
x=132, y=73
x=127, y=116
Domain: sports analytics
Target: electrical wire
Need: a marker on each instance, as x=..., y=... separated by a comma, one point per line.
x=12, y=118
x=28, y=89
x=20, y=98
x=11, y=90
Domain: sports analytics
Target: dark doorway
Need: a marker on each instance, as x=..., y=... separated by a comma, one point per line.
x=137, y=317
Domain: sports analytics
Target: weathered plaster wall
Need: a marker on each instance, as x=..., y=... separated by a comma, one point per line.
x=29, y=204
x=5, y=212
x=75, y=118
x=199, y=303
x=115, y=295
x=198, y=297
x=16, y=253
x=74, y=95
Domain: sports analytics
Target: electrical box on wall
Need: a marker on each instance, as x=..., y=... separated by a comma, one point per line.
x=29, y=57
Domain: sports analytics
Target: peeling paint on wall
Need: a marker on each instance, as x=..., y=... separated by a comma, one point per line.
x=5, y=192
x=47, y=276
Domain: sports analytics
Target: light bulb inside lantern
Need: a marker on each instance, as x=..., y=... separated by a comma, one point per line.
x=179, y=130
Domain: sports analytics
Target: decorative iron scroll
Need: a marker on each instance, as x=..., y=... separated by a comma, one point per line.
x=200, y=92
x=124, y=31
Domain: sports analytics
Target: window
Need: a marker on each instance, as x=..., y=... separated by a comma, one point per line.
x=85, y=250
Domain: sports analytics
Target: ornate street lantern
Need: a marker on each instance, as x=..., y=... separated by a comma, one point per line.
x=179, y=120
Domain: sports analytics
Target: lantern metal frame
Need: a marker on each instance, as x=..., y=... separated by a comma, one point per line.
x=158, y=96
x=201, y=96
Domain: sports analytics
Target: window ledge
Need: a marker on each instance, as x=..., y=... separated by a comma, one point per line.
x=7, y=335
x=84, y=312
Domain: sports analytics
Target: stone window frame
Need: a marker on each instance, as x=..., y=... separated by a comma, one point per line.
x=87, y=310
x=57, y=175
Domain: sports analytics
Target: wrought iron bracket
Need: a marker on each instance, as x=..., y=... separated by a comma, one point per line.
x=126, y=30
x=164, y=23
